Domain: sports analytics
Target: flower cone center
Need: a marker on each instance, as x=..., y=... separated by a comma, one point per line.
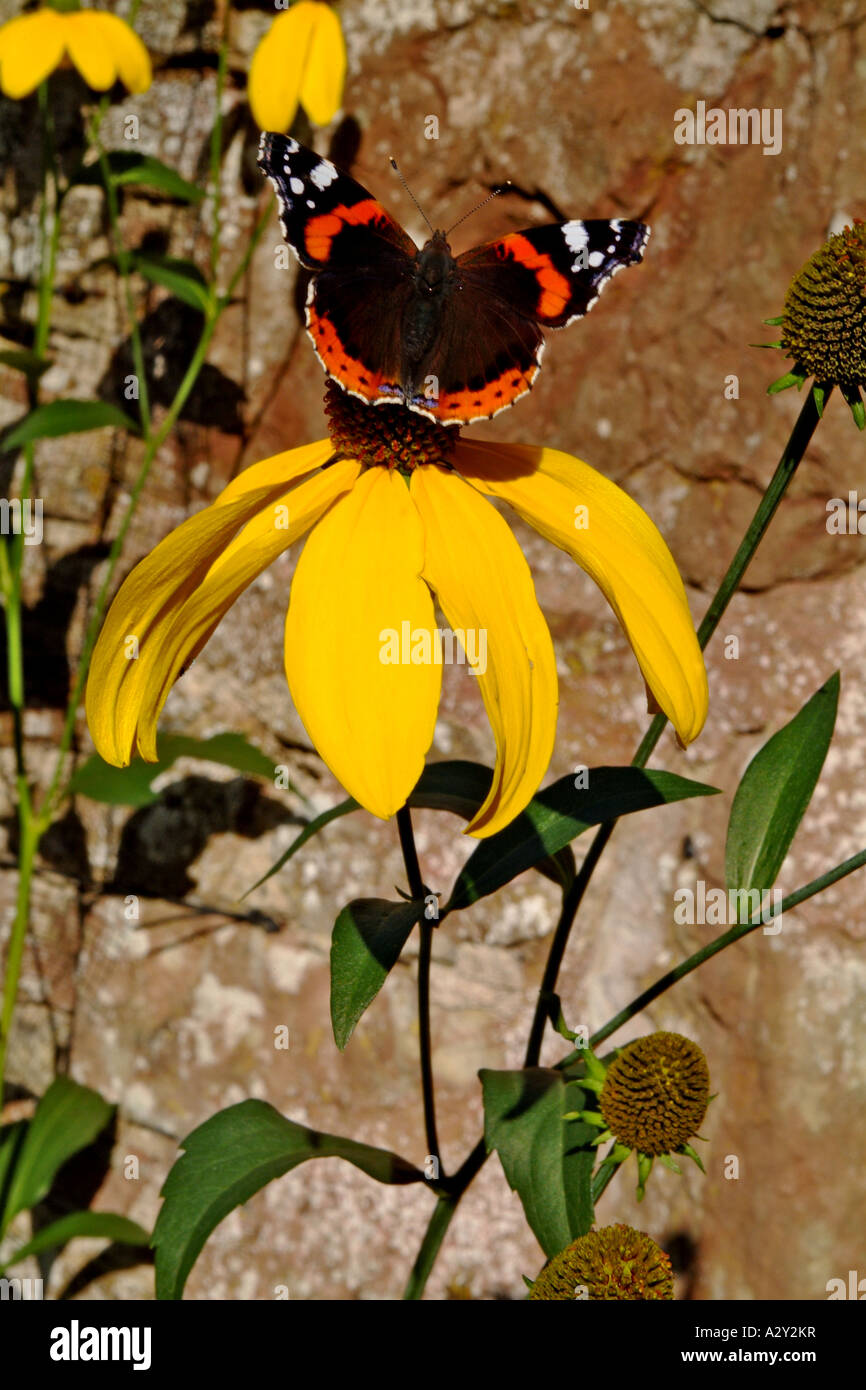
x=824, y=324
x=388, y=436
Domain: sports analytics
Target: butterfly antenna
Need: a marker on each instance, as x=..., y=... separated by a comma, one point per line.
x=396, y=169
x=501, y=188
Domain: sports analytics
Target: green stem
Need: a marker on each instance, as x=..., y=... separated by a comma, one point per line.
x=433, y=1237
x=124, y=265
x=425, y=953
x=795, y=448
x=11, y=583
x=29, y=841
x=735, y=933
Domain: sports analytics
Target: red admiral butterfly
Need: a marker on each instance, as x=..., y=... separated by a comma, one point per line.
x=453, y=339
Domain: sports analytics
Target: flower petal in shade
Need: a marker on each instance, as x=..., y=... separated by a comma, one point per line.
x=620, y=548
x=302, y=57
x=358, y=581
x=131, y=58
x=482, y=581
x=172, y=600
x=31, y=46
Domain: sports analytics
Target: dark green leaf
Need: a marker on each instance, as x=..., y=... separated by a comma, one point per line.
x=461, y=786
x=367, y=940
x=118, y=1229
x=775, y=790
x=23, y=360
x=230, y=1157
x=557, y=815
x=452, y=785
x=142, y=169
x=131, y=786
x=67, y=1119
x=546, y=1159
x=11, y=1139
x=66, y=417
x=184, y=279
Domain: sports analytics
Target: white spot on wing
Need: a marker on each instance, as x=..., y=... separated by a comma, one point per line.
x=323, y=174
x=575, y=235
x=296, y=185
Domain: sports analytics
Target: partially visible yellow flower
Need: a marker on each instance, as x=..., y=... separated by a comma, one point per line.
x=399, y=517
x=302, y=58
x=101, y=46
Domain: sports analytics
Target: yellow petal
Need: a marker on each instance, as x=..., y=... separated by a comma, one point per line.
x=483, y=584
x=357, y=583
x=325, y=71
x=31, y=46
x=131, y=58
x=279, y=469
x=277, y=69
x=172, y=588
x=89, y=49
x=620, y=548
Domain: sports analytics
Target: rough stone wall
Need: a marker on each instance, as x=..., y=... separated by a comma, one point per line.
x=175, y=1019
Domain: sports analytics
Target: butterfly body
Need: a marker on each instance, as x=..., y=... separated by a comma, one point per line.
x=456, y=339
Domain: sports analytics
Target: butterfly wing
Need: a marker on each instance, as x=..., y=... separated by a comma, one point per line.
x=490, y=346
x=555, y=274
x=361, y=263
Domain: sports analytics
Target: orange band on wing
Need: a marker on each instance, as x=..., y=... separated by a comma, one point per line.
x=493, y=396
x=349, y=371
x=320, y=231
x=555, y=288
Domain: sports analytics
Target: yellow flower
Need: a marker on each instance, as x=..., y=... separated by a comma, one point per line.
x=302, y=58
x=102, y=47
x=397, y=511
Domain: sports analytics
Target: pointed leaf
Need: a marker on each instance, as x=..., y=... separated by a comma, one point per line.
x=11, y=1139
x=131, y=786
x=546, y=1158
x=451, y=785
x=66, y=417
x=67, y=1119
x=118, y=1229
x=184, y=279
x=368, y=936
x=783, y=382
x=775, y=790
x=230, y=1157
x=142, y=169
x=558, y=814
x=23, y=360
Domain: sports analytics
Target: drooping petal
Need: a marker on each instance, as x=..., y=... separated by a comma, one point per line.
x=357, y=602
x=302, y=57
x=325, y=72
x=31, y=46
x=131, y=58
x=88, y=47
x=483, y=584
x=620, y=548
x=172, y=600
